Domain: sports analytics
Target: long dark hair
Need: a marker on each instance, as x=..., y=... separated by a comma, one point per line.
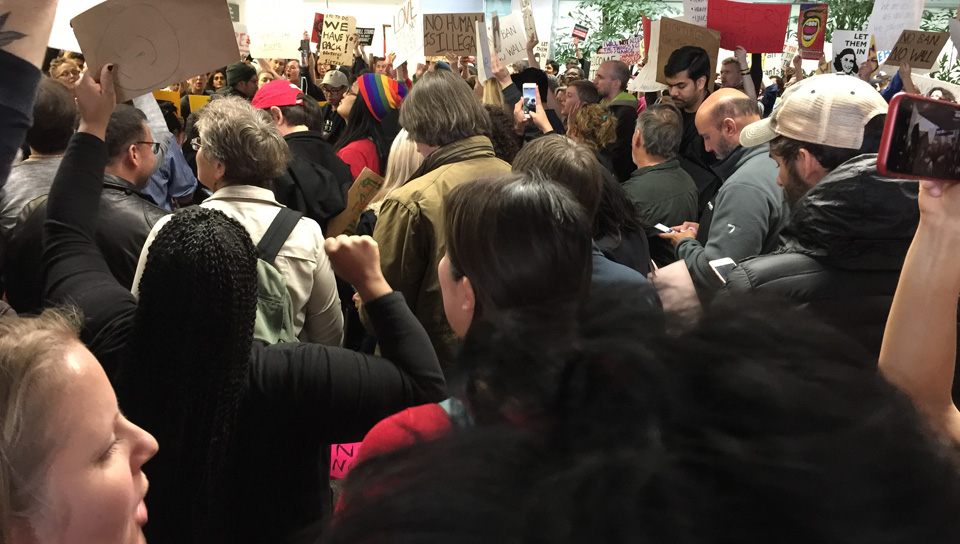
x=617, y=214
x=186, y=369
x=362, y=125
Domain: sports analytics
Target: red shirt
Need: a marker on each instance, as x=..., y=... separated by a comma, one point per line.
x=359, y=155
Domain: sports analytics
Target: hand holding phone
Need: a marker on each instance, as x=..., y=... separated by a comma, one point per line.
x=529, y=99
x=663, y=228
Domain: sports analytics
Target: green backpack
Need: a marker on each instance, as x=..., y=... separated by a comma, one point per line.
x=274, y=306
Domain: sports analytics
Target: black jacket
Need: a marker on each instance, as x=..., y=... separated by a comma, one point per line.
x=316, y=180
x=126, y=218
x=842, y=250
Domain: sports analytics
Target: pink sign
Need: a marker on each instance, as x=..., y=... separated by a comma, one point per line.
x=341, y=459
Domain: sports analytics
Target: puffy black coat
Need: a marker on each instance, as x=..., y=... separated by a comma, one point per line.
x=842, y=250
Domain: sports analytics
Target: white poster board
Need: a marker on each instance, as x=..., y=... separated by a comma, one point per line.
x=512, y=38
x=695, y=12
x=889, y=18
x=646, y=80
x=406, y=39
x=484, y=71
x=851, y=49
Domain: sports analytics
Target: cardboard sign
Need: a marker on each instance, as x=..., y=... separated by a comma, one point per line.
x=510, y=36
x=812, y=29
x=197, y=101
x=342, y=457
x=363, y=190
x=676, y=34
x=154, y=42
x=366, y=35
x=337, y=40
x=758, y=28
x=407, y=28
x=580, y=31
x=890, y=17
x=851, y=48
x=450, y=33
x=920, y=49
x=169, y=96
x=317, y=28
x=646, y=80
x=695, y=11
x=484, y=71
x=243, y=39
x=529, y=24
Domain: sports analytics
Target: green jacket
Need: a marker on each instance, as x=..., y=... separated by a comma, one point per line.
x=410, y=232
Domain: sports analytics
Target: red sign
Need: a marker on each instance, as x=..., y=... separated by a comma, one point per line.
x=758, y=28
x=580, y=31
x=812, y=30
x=317, y=28
x=646, y=35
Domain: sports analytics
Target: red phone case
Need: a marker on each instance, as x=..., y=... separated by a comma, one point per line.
x=887, y=139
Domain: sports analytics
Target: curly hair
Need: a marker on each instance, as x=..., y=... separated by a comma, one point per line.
x=188, y=359
x=596, y=126
x=250, y=148
x=506, y=143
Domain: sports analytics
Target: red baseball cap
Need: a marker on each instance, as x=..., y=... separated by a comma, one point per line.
x=278, y=92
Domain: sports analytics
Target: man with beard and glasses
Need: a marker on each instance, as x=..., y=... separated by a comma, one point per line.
x=849, y=228
x=745, y=217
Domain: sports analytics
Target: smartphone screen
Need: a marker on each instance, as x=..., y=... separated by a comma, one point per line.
x=920, y=140
x=529, y=98
x=723, y=267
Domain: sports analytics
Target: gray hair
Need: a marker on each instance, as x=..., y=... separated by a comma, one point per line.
x=248, y=145
x=736, y=107
x=441, y=110
x=661, y=128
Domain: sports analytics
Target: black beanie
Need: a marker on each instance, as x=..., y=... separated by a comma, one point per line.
x=238, y=72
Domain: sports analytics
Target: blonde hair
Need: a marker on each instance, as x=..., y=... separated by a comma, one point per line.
x=31, y=356
x=595, y=126
x=492, y=93
x=403, y=161
x=57, y=63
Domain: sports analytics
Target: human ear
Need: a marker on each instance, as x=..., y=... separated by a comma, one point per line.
x=277, y=115
x=468, y=298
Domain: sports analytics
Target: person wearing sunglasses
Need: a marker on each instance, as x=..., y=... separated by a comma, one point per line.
x=125, y=219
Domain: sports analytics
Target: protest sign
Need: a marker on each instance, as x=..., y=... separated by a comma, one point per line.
x=646, y=80
x=646, y=27
x=873, y=57
x=243, y=38
x=197, y=101
x=890, y=17
x=812, y=30
x=407, y=28
x=450, y=33
x=151, y=45
x=274, y=44
x=509, y=39
x=484, y=72
x=851, y=48
x=317, y=28
x=676, y=34
x=758, y=28
x=61, y=35
x=630, y=51
x=529, y=25
x=541, y=52
x=580, y=31
x=366, y=35
x=336, y=42
x=597, y=59
x=920, y=49
x=364, y=188
x=695, y=11
x=169, y=96
x=342, y=457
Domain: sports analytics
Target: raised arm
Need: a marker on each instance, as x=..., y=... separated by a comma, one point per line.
x=749, y=88
x=531, y=57
x=919, y=348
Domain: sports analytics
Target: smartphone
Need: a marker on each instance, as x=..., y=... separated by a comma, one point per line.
x=663, y=228
x=723, y=267
x=920, y=139
x=529, y=98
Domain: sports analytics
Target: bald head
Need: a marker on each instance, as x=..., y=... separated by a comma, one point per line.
x=722, y=117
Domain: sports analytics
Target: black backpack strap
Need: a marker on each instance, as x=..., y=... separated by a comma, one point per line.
x=277, y=234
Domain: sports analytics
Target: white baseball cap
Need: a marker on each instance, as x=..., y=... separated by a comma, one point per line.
x=829, y=109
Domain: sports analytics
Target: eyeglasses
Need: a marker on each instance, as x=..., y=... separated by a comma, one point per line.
x=153, y=145
x=195, y=143
x=333, y=90
x=69, y=73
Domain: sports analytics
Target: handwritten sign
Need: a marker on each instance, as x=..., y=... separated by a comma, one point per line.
x=336, y=43
x=758, y=28
x=450, y=33
x=812, y=28
x=511, y=38
x=890, y=17
x=851, y=48
x=646, y=80
x=151, y=44
x=630, y=51
x=274, y=44
x=597, y=59
x=364, y=188
x=920, y=49
x=484, y=71
x=676, y=34
x=529, y=24
x=580, y=31
x=541, y=51
x=366, y=35
x=243, y=38
x=695, y=11
x=407, y=28
x=342, y=457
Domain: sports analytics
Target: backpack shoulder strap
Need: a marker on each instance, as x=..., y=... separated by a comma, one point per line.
x=277, y=233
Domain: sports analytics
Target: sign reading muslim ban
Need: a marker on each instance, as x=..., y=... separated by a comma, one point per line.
x=450, y=33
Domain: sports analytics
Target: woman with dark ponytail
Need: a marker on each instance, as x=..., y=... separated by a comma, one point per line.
x=245, y=428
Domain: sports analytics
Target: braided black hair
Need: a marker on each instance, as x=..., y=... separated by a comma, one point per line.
x=187, y=367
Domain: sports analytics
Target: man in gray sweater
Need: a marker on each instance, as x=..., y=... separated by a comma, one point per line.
x=745, y=217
